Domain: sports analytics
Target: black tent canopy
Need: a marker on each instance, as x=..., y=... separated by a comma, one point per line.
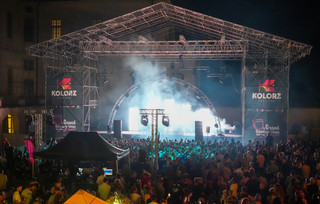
x=83, y=146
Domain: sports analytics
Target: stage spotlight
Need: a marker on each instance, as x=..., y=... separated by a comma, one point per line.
x=216, y=125
x=144, y=120
x=165, y=120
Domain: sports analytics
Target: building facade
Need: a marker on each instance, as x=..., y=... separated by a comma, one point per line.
x=24, y=23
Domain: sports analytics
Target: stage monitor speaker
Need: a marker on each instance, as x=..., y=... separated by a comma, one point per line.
x=198, y=131
x=117, y=128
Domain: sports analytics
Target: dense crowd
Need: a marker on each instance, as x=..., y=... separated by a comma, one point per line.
x=217, y=171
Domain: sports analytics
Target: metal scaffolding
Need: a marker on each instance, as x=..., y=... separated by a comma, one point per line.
x=155, y=135
x=218, y=39
x=87, y=64
x=161, y=15
x=222, y=49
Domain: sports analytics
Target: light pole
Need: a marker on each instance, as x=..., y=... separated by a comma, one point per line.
x=155, y=136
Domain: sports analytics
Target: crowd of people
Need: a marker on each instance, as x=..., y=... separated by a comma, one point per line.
x=216, y=171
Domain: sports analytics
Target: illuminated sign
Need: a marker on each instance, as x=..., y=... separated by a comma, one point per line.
x=266, y=91
x=267, y=85
x=66, y=88
x=64, y=83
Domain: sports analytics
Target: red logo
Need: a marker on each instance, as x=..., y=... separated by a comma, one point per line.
x=65, y=83
x=267, y=85
x=258, y=124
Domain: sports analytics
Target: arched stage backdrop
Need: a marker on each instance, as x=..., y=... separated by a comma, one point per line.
x=185, y=84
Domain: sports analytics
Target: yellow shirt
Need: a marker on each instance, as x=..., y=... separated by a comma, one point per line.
x=16, y=198
x=104, y=190
x=3, y=181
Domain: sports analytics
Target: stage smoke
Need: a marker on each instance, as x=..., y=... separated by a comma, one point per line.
x=159, y=92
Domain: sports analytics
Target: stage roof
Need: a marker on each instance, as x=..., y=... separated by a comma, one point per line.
x=160, y=16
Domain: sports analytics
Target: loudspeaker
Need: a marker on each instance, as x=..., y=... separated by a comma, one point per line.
x=117, y=129
x=208, y=129
x=198, y=131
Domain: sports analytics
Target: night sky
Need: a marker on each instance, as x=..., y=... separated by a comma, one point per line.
x=296, y=20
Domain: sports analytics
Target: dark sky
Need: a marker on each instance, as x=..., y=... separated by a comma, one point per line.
x=296, y=20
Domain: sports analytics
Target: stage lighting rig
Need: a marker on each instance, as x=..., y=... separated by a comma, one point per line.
x=144, y=120
x=155, y=135
x=165, y=120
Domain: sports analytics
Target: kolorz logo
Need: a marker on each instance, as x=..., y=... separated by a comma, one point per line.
x=66, y=88
x=268, y=93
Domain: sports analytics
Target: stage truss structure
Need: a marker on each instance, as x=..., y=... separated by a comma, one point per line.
x=124, y=36
x=155, y=136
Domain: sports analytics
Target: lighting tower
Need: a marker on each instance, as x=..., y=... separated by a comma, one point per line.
x=155, y=136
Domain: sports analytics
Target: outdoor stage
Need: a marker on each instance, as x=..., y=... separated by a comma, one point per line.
x=92, y=71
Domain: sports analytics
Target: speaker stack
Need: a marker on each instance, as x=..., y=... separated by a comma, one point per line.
x=117, y=129
x=198, y=131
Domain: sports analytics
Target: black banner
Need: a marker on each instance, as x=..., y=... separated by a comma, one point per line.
x=258, y=98
x=260, y=124
x=67, y=119
x=266, y=101
x=252, y=79
x=64, y=89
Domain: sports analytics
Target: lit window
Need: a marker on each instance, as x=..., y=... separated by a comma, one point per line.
x=56, y=28
x=10, y=124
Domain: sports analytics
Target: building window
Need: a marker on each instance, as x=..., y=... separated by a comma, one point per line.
x=10, y=124
x=56, y=28
x=9, y=25
x=28, y=30
x=28, y=65
x=28, y=87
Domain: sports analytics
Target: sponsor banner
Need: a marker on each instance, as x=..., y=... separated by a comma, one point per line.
x=261, y=124
x=275, y=80
x=256, y=99
x=67, y=119
x=266, y=94
x=64, y=89
x=266, y=101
